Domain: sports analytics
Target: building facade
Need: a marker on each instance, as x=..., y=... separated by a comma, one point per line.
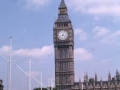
x=1, y=85
x=63, y=35
x=113, y=83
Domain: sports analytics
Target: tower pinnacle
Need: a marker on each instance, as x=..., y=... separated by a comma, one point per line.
x=62, y=4
x=63, y=13
x=95, y=76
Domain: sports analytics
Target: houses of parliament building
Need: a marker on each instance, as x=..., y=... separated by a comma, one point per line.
x=63, y=35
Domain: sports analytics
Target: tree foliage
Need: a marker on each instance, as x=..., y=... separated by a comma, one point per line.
x=45, y=88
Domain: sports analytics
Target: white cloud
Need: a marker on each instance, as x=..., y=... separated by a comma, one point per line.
x=106, y=61
x=100, y=31
x=5, y=49
x=35, y=53
x=82, y=54
x=96, y=7
x=35, y=4
x=82, y=35
x=111, y=38
x=106, y=36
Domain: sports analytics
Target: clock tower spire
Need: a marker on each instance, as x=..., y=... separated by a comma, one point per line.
x=63, y=36
x=62, y=4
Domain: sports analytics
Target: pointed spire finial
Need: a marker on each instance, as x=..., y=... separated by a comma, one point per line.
x=109, y=76
x=79, y=79
x=109, y=73
x=95, y=73
x=62, y=4
x=95, y=76
x=101, y=79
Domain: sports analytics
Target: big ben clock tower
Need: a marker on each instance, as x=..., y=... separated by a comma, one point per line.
x=63, y=35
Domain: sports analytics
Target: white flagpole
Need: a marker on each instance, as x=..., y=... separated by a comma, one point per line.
x=30, y=73
x=10, y=61
x=41, y=78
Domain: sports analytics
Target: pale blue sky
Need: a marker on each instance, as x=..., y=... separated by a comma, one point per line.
x=30, y=23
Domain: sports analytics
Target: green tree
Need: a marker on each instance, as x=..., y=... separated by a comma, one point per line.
x=45, y=88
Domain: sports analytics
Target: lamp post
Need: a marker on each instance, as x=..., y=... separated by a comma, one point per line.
x=41, y=78
x=30, y=73
x=10, y=62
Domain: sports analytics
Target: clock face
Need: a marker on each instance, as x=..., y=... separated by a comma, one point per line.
x=62, y=35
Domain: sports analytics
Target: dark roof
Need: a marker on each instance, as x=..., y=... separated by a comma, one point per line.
x=62, y=4
x=63, y=18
